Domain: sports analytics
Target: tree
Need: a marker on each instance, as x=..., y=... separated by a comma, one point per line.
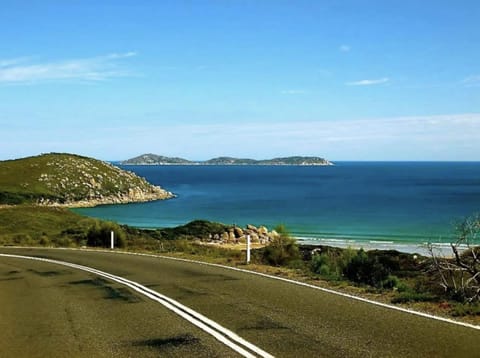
x=460, y=276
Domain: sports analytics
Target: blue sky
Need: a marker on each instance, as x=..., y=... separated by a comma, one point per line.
x=347, y=80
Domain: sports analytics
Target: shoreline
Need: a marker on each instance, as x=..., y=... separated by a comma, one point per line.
x=440, y=248
x=120, y=199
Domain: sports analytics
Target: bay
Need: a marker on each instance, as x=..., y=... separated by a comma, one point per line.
x=385, y=202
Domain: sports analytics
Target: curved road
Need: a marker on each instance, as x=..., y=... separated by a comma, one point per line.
x=58, y=309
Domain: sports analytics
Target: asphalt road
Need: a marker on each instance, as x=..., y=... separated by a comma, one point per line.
x=47, y=307
x=47, y=310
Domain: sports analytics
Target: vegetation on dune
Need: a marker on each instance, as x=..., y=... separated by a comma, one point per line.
x=195, y=229
x=283, y=249
x=459, y=277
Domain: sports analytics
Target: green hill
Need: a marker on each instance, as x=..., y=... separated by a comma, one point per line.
x=72, y=180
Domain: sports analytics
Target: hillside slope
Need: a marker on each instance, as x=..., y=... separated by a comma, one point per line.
x=71, y=180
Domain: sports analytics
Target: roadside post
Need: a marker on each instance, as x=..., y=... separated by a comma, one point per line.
x=111, y=239
x=248, y=249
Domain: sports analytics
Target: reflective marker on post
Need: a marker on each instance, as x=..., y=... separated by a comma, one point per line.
x=248, y=249
x=111, y=239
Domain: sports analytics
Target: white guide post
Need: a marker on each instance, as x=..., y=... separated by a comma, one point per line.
x=111, y=239
x=248, y=249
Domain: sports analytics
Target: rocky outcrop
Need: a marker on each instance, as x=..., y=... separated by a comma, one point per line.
x=238, y=235
x=134, y=196
x=73, y=181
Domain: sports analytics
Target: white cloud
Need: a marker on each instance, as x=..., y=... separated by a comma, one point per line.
x=84, y=69
x=345, y=48
x=368, y=82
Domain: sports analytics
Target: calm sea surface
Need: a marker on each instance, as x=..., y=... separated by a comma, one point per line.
x=408, y=202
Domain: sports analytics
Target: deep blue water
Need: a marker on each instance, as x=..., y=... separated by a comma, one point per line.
x=392, y=201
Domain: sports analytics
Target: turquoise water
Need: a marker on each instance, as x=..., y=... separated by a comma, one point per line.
x=409, y=202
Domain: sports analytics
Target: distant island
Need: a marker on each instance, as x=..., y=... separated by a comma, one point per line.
x=154, y=159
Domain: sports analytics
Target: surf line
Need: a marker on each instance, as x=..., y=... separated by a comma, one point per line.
x=222, y=334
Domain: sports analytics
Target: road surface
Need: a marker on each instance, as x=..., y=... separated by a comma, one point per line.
x=50, y=308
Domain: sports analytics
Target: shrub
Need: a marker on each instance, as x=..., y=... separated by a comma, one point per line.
x=466, y=309
x=390, y=282
x=282, y=249
x=366, y=269
x=44, y=240
x=297, y=264
x=195, y=229
x=410, y=296
x=332, y=263
x=99, y=234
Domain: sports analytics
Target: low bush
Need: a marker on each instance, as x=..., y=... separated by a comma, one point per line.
x=282, y=250
x=332, y=263
x=367, y=269
x=196, y=229
x=411, y=296
x=466, y=309
x=99, y=234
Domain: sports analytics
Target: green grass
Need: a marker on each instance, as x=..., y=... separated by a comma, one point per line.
x=30, y=225
x=62, y=178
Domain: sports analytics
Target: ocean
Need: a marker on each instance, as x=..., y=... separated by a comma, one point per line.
x=351, y=203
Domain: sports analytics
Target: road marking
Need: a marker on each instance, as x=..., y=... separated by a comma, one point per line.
x=357, y=298
x=219, y=332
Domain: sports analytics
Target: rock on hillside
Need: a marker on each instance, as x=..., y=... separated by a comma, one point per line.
x=71, y=180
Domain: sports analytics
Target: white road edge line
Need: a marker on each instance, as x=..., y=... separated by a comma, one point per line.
x=357, y=298
x=214, y=329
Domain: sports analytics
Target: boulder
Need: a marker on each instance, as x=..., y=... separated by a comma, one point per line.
x=238, y=232
x=262, y=230
x=273, y=234
x=225, y=236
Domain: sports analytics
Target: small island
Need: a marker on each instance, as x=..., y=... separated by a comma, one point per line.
x=154, y=159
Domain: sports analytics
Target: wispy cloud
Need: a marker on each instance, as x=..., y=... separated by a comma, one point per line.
x=344, y=48
x=99, y=68
x=293, y=91
x=445, y=137
x=472, y=81
x=368, y=82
